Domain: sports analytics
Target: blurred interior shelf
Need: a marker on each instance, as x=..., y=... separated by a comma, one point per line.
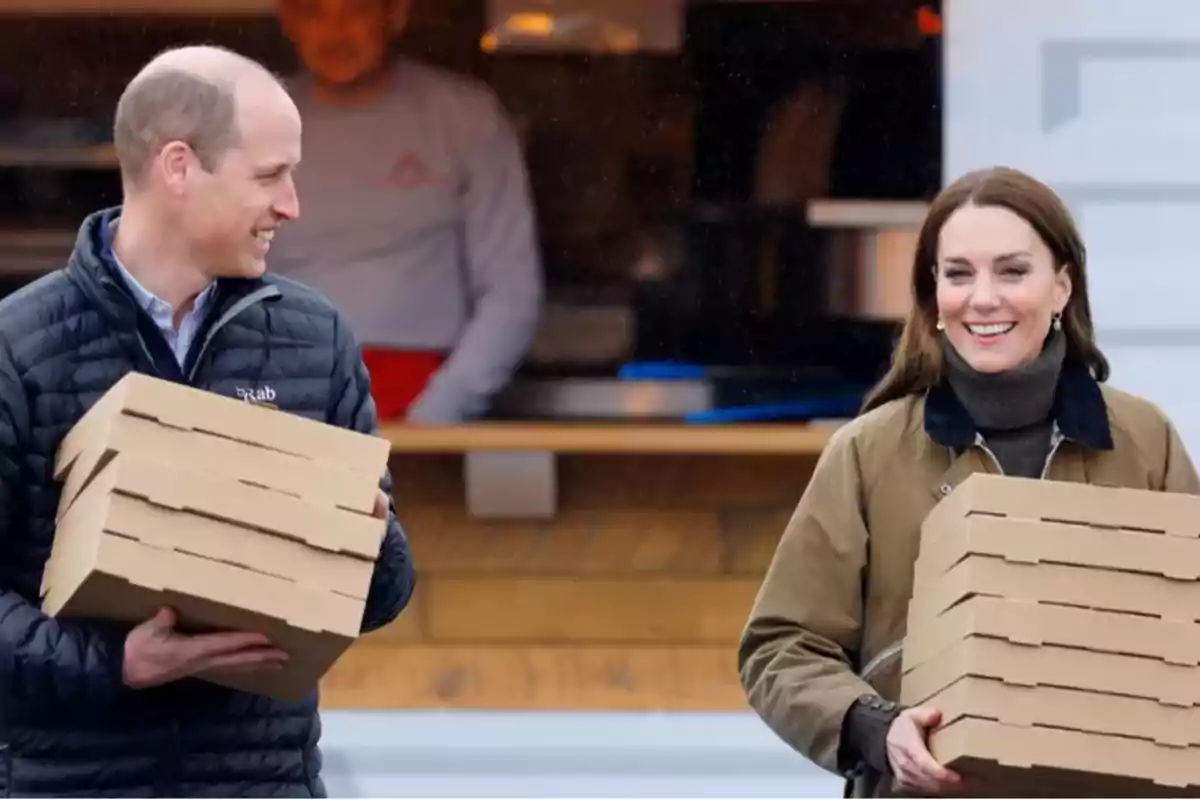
x=29, y=253
x=110, y=7
x=88, y=156
x=830, y=213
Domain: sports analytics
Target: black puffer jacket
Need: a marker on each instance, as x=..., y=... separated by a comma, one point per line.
x=68, y=726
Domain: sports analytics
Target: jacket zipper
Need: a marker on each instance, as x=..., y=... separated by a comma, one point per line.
x=1055, y=440
x=982, y=445
x=246, y=302
x=241, y=305
x=882, y=657
x=146, y=351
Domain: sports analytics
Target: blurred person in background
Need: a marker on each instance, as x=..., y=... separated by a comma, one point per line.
x=418, y=218
x=996, y=370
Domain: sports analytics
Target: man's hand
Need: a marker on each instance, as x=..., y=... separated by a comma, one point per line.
x=913, y=766
x=155, y=653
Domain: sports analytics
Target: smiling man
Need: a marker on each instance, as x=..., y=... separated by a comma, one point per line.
x=170, y=284
x=419, y=222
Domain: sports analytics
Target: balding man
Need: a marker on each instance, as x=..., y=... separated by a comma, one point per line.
x=170, y=284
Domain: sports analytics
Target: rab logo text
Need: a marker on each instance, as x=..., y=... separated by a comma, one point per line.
x=262, y=396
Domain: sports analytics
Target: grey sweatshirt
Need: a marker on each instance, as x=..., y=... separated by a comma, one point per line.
x=416, y=220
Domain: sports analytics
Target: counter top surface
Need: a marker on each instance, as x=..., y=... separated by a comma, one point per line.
x=601, y=438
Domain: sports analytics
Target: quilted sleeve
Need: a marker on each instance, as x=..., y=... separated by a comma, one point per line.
x=394, y=578
x=63, y=661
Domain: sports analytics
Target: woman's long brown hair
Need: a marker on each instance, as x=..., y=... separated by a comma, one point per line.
x=917, y=360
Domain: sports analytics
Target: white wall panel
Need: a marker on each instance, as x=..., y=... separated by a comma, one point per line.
x=1099, y=99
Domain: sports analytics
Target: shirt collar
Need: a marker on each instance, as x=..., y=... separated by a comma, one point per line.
x=146, y=299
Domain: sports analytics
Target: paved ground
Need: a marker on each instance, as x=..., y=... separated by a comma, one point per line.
x=457, y=754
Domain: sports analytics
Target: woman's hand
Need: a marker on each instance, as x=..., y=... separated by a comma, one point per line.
x=914, y=768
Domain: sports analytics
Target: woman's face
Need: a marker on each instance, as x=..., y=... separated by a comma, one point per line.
x=997, y=287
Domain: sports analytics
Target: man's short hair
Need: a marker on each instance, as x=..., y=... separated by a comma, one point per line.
x=174, y=105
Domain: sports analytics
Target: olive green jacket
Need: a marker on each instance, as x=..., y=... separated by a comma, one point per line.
x=828, y=624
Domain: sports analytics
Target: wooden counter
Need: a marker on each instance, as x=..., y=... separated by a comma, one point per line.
x=632, y=596
x=610, y=438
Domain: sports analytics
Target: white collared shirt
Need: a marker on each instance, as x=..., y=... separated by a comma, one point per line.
x=180, y=340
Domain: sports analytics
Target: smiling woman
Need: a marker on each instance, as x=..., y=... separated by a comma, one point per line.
x=999, y=269
x=996, y=371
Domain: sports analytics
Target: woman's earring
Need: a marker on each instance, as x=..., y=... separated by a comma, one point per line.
x=941, y=326
x=1056, y=321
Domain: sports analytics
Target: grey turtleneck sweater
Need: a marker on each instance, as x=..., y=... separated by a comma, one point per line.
x=1013, y=410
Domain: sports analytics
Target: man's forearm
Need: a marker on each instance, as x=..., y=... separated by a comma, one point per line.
x=483, y=360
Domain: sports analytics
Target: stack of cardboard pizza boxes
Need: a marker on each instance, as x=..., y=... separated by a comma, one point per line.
x=1054, y=625
x=239, y=516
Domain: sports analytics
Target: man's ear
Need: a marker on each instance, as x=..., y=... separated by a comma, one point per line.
x=176, y=162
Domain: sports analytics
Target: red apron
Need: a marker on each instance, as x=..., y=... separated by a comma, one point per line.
x=398, y=377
